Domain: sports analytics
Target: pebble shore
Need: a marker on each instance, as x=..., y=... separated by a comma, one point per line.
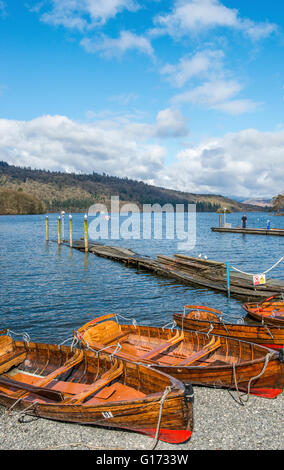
x=221, y=422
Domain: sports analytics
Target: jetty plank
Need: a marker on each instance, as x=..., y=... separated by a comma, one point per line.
x=250, y=231
x=188, y=270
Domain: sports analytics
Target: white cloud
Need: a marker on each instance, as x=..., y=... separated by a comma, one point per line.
x=85, y=14
x=193, y=16
x=218, y=95
x=200, y=65
x=171, y=123
x=247, y=163
x=120, y=147
x=58, y=143
x=115, y=47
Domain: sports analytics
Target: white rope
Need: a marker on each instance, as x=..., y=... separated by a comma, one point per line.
x=25, y=335
x=166, y=392
x=134, y=322
x=242, y=401
x=171, y=323
x=265, y=272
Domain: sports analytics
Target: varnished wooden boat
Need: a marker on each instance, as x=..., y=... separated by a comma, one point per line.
x=270, y=310
x=206, y=319
x=76, y=385
x=190, y=356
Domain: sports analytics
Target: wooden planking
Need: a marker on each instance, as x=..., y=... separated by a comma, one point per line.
x=188, y=270
x=250, y=231
x=139, y=411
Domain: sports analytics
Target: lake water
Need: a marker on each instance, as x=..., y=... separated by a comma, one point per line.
x=48, y=291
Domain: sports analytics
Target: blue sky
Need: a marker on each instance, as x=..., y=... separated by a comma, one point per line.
x=186, y=94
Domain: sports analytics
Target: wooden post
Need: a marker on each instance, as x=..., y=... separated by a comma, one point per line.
x=71, y=230
x=62, y=216
x=228, y=280
x=86, y=232
x=59, y=230
x=220, y=220
x=46, y=228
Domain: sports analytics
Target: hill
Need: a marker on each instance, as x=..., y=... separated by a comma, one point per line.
x=259, y=202
x=76, y=192
x=19, y=202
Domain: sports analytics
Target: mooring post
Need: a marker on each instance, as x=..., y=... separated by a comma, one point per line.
x=71, y=230
x=228, y=279
x=63, y=235
x=86, y=232
x=59, y=230
x=46, y=228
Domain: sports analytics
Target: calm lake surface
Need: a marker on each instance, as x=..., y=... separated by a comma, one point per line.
x=48, y=291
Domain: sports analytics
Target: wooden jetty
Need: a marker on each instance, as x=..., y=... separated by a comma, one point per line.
x=278, y=232
x=188, y=270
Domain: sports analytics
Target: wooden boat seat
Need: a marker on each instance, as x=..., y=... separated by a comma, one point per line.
x=40, y=383
x=163, y=347
x=11, y=359
x=116, y=392
x=105, y=379
x=214, y=344
x=118, y=337
x=9, y=384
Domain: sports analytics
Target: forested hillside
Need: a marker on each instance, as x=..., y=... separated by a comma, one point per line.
x=76, y=192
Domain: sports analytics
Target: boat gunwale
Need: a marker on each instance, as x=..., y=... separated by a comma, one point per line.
x=154, y=364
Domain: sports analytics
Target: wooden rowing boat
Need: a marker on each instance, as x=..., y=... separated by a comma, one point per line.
x=210, y=320
x=270, y=310
x=190, y=356
x=80, y=386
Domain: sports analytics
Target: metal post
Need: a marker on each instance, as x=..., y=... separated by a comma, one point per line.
x=86, y=232
x=59, y=230
x=46, y=228
x=71, y=230
x=228, y=280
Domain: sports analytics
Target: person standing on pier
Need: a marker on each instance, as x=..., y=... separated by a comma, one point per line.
x=244, y=221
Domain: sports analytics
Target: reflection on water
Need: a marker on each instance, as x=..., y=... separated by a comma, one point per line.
x=49, y=290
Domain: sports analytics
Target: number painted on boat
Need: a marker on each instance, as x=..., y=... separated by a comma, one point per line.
x=107, y=414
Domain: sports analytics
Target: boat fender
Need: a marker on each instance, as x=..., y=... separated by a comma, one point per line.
x=281, y=355
x=189, y=393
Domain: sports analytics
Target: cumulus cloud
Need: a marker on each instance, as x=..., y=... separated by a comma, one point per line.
x=218, y=95
x=116, y=47
x=118, y=147
x=247, y=163
x=58, y=143
x=85, y=14
x=194, y=16
x=199, y=65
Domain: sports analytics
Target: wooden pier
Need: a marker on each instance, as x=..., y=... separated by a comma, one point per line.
x=278, y=232
x=187, y=270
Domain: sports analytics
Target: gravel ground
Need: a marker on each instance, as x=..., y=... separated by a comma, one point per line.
x=221, y=423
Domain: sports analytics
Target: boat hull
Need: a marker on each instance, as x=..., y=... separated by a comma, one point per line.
x=262, y=315
x=140, y=399
x=269, y=336
x=234, y=364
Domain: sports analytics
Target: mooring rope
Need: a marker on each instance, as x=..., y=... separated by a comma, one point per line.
x=134, y=322
x=171, y=323
x=242, y=401
x=265, y=272
x=25, y=335
x=165, y=394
